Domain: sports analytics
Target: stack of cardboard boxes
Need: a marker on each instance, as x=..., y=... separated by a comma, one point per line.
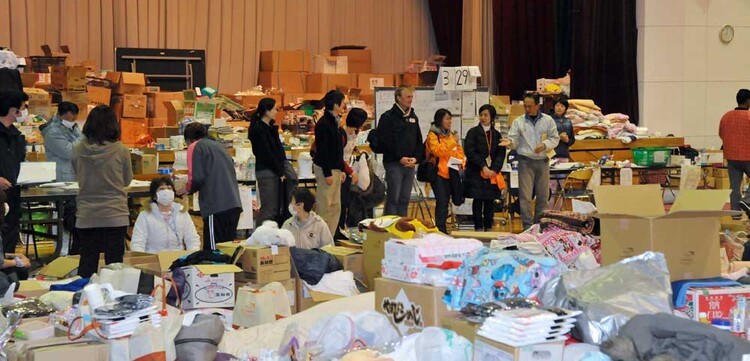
x=284, y=70
x=158, y=109
x=40, y=102
x=71, y=80
x=262, y=265
x=130, y=105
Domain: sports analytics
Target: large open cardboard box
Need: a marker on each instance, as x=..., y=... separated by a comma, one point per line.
x=164, y=259
x=410, y=307
x=633, y=221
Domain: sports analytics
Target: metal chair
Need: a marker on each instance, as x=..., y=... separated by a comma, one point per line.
x=574, y=187
x=421, y=201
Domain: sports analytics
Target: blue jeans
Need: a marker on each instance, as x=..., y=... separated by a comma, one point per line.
x=399, y=183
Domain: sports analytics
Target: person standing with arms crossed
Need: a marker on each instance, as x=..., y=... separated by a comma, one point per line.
x=403, y=148
x=532, y=136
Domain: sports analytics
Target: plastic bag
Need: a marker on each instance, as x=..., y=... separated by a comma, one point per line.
x=256, y=307
x=374, y=329
x=330, y=337
x=609, y=296
x=690, y=176
x=147, y=344
x=433, y=344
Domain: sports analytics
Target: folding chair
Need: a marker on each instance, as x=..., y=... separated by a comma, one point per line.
x=574, y=187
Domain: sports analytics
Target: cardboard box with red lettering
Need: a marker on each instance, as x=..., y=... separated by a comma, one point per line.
x=259, y=264
x=410, y=307
x=716, y=302
x=209, y=286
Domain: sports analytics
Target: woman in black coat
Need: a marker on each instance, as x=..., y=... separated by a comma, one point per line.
x=484, y=160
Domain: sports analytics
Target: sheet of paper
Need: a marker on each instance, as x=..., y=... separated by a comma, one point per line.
x=37, y=172
x=442, y=100
x=583, y=207
x=466, y=124
x=468, y=104
x=138, y=183
x=180, y=160
x=456, y=104
x=384, y=100
x=72, y=185
x=246, y=217
x=455, y=163
x=483, y=98
x=456, y=125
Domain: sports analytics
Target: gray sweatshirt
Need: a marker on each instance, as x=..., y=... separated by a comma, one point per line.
x=313, y=233
x=103, y=172
x=211, y=173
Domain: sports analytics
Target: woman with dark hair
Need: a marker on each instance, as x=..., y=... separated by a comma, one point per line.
x=485, y=159
x=442, y=147
x=328, y=160
x=166, y=226
x=103, y=171
x=354, y=121
x=275, y=177
x=565, y=128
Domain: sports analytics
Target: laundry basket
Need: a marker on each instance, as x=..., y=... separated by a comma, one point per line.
x=653, y=156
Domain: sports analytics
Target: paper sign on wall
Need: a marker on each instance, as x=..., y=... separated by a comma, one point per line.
x=457, y=78
x=376, y=82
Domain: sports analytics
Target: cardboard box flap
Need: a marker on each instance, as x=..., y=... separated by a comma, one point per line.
x=700, y=200
x=133, y=78
x=321, y=296
x=341, y=251
x=166, y=258
x=699, y=214
x=640, y=200
x=60, y=267
x=212, y=269
x=30, y=285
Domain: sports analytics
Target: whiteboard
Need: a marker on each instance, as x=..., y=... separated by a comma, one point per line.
x=462, y=104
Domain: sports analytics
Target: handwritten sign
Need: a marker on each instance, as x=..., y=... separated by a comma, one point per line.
x=460, y=78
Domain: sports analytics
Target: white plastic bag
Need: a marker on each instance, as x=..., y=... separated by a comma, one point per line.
x=254, y=307
x=362, y=169
x=147, y=344
x=690, y=176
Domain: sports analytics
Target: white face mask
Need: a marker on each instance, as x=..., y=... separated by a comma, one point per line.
x=68, y=123
x=24, y=115
x=292, y=210
x=165, y=197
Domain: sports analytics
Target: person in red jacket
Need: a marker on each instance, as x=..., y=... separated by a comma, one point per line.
x=734, y=131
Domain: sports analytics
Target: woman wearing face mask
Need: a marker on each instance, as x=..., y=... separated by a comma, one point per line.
x=485, y=159
x=309, y=229
x=166, y=226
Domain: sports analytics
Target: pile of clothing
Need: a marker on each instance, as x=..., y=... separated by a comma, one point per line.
x=590, y=123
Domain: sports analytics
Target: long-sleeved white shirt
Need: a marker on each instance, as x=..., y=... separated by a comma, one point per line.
x=152, y=233
x=527, y=133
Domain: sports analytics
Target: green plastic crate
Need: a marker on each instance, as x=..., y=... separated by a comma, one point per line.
x=653, y=156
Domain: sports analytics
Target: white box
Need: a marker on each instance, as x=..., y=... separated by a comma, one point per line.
x=433, y=248
x=208, y=286
x=401, y=272
x=488, y=350
x=326, y=64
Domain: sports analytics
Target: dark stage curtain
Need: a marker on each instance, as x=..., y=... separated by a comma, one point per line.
x=447, y=22
x=524, y=34
x=563, y=36
x=605, y=43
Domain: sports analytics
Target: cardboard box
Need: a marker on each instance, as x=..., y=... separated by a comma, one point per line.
x=425, y=78
x=157, y=122
x=209, y=286
x=163, y=132
x=460, y=325
x=175, y=111
x=83, y=112
x=633, y=222
x=285, y=60
x=156, y=107
x=99, y=95
x=721, y=172
x=60, y=267
x=358, y=60
x=60, y=349
x=307, y=298
x=368, y=82
x=716, y=302
x=373, y=249
x=489, y=350
x=275, y=273
x=152, y=89
x=78, y=97
x=255, y=258
x=410, y=307
x=159, y=266
x=37, y=96
x=722, y=183
x=144, y=164
x=71, y=78
x=134, y=106
x=322, y=83
x=351, y=259
x=133, y=130
x=326, y=64
x=128, y=83
x=251, y=101
x=29, y=79
x=288, y=82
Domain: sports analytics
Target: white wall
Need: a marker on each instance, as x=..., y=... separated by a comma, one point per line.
x=687, y=79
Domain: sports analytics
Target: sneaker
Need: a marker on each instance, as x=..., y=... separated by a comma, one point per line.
x=745, y=208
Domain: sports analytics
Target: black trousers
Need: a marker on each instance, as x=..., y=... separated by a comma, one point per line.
x=220, y=227
x=442, y=189
x=346, y=196
x=483, y=211
x=12, y=224
x=93, y=241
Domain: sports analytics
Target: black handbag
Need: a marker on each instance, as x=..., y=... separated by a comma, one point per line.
x=427, y=171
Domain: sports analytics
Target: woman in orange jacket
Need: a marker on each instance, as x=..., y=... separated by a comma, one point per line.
x=443, y=147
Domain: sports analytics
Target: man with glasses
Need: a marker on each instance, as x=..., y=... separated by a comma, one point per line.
x=12, y=153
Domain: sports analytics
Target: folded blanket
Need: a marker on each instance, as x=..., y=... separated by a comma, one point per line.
x=569, y=221
x=583, y=103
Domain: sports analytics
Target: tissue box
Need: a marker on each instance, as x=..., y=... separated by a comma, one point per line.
x=401, y=272
x=432, y=249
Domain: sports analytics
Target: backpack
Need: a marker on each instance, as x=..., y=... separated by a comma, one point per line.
x=372, y=139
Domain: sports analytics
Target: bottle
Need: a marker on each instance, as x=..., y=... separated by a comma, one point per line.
x=704, y=156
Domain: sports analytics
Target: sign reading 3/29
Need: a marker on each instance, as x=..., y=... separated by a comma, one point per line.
x=460, y=78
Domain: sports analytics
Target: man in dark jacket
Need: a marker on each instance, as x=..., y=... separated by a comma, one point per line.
x=211, y=172
x=329, y=160
x=12, y=153
x=403, y=148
